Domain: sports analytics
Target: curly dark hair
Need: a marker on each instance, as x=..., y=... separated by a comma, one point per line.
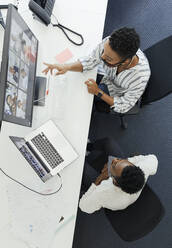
x=131, y=180
x=125, y=42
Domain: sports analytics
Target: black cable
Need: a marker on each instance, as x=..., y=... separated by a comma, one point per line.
x=30, y=188
x=62, y=27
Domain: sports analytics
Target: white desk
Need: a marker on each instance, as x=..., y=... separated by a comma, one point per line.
x=68, y=104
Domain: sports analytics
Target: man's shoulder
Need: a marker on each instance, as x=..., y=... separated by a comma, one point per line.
x=143, y=61
x=142, y=158
x=142, y=68
x=105, y=185
x=148, y=163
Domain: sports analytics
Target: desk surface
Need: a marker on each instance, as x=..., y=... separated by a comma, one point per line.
x=68, y=105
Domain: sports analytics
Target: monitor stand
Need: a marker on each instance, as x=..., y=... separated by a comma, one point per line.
x=0, y=78
x=3, y=6
x=40, y=91
x=2, y=23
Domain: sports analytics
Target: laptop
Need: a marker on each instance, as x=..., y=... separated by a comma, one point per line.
x=46, y=149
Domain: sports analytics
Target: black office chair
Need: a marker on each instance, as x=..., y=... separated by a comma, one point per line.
x=138, y=219
x=160, y=82
x=133, y=111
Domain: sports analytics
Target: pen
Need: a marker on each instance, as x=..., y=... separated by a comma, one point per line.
x=47, y=91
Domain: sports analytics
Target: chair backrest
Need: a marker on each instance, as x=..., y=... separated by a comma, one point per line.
x=138, y=219
x=160, y=60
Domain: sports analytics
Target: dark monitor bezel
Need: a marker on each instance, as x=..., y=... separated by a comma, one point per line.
x=4, y=70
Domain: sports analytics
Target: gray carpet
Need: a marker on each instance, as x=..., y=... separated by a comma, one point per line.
x=148, y=132
x=151, y=19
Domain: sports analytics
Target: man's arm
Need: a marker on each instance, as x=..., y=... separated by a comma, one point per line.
x=76, y=66
x=148, y=163
x=63, y=68
x=90, y=201
x=83, y=64
x=124, y=103
x=94, y=89
x=120, y=104
x=106, y=98
x=103, y=176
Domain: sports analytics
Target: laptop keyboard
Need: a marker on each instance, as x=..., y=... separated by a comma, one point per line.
x=28, y=156
x=47, y=150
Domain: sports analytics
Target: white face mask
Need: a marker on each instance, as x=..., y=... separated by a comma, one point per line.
x=110, y=158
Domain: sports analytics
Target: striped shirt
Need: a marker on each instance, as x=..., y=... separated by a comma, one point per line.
x=126, y=87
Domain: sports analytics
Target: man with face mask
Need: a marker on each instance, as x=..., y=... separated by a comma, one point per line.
x=123, y=67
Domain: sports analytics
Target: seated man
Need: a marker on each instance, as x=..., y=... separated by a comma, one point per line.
x=119, y=183
x=124, y=67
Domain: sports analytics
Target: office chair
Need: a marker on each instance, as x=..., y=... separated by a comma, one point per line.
x=160, y=82
x=133, y=111
x=138, y=219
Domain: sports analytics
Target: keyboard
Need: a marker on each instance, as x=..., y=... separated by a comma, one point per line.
x=35, y=165
x=47, y=150
x=48, y=6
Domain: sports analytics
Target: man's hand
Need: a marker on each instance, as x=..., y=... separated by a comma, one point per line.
x=105, y=169
x=103, y=176
x=60, y=68
x=92, y=86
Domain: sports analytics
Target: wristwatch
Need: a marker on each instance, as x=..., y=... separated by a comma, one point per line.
x=100, y=93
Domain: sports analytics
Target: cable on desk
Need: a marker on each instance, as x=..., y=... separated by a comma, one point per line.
x=68, y=29
x=33, y=189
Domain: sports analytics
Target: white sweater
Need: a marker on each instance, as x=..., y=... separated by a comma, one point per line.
x=107, y=195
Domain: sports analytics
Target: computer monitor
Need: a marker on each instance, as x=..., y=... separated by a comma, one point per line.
x=18, y=70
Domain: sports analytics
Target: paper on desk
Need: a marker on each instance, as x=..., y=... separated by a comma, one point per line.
x=64, y=56
x=61, y=92
x=35, y=219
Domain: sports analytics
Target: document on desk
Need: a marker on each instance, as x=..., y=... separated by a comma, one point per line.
x=64, y=56
x=36, y=219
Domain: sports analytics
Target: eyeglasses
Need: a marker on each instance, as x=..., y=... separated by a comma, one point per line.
x=112, y=65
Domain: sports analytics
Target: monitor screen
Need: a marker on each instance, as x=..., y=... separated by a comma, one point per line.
x=18, y=70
